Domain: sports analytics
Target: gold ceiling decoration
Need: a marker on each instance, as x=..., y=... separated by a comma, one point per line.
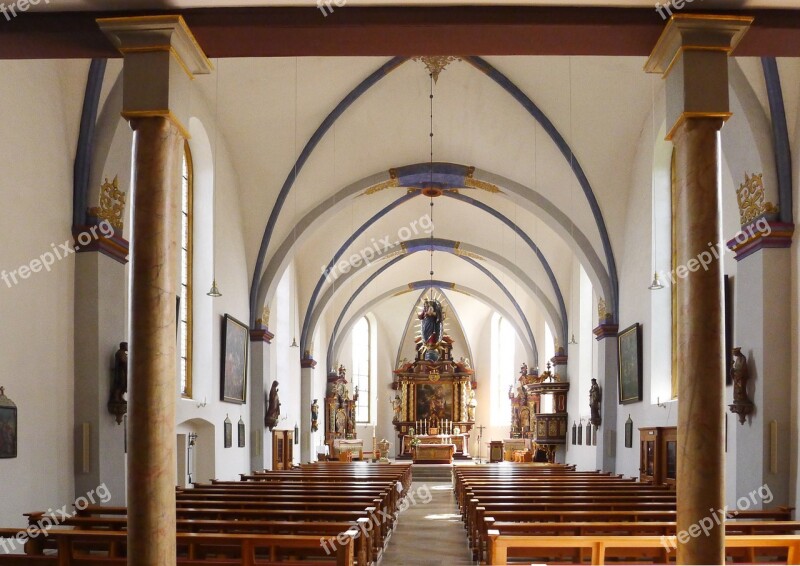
x=436, y=63
x=752, y=198
x=112, y=204
x=473, y=183
x=391, y=183
x=458, y=251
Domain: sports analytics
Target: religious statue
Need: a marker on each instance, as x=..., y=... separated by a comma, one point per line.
x=742, y=405
x=314, y=416
x=117, y=404
x=273, y=407
x=432, y=327
x=471, y=404
x=523, y=371
x=396, y=407
x=594, y=403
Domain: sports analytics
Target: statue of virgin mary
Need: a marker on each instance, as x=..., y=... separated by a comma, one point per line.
x=432, y=322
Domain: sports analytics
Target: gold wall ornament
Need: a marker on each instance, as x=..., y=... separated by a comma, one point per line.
x=602, y=313
x=112, y=204
x=436, y=63
x=264, y=320
x=752, y=199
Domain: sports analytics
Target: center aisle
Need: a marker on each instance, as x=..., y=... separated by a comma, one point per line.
x=430, y=530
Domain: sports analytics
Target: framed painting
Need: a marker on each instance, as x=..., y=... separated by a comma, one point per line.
x=233, y=387
x=8, y=426
x=434, y=401
x=630, y=364
x=8, y=432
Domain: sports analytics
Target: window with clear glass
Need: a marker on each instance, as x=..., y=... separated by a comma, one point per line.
x=361, y=368
x=185, y=297
x=503, y=375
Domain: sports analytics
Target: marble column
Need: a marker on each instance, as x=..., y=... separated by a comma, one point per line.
x=160, y=59
x=157, y=154
x=692, y=54
x=701, y=339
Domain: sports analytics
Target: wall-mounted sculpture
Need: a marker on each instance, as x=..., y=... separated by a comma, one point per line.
x=314, y=416
x=595, y=396
x=117, y=404
x=273, y=407
x=742, y=405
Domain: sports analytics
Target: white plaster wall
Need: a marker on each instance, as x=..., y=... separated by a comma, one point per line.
x=36, y=340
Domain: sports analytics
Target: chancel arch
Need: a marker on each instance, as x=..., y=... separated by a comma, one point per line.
x=342, y=327
x=462, y=250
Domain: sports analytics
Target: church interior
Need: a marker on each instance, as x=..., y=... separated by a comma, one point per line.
x=517, y=252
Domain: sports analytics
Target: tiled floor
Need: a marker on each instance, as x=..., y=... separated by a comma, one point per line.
x=429, y=533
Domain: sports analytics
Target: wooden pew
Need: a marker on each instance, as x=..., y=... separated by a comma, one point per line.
x=499, y=545
x=247, y=549
x=243, y=517
x=652, y=528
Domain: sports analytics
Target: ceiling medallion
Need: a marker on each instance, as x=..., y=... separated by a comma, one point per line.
x=432, y=191
x=436, y=63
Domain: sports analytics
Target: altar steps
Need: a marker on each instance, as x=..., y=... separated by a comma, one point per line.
x=430, y=473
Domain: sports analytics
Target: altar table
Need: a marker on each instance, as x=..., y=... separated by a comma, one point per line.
x=434, y=453
x=355, y=446
x=460, y=441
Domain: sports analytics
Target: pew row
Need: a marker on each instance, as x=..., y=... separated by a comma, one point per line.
x=499, y=545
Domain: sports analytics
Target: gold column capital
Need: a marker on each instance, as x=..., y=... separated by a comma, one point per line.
x=692, y=55
x=162, y=58
x=163, y=33
x=696, y=32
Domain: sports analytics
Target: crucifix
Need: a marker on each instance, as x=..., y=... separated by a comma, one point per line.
x=480, y=444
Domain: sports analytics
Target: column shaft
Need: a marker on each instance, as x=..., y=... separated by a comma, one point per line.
x=701, y=359
x=151, y=405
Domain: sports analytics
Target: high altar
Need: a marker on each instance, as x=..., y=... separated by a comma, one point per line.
x=434, y=407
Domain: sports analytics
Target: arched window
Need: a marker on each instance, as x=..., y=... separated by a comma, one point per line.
x=503, y=350
x=362, y=348
x=185, y=300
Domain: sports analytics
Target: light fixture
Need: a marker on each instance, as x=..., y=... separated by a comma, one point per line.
x=655, y=285
x=572, y=340
x=214, y=291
